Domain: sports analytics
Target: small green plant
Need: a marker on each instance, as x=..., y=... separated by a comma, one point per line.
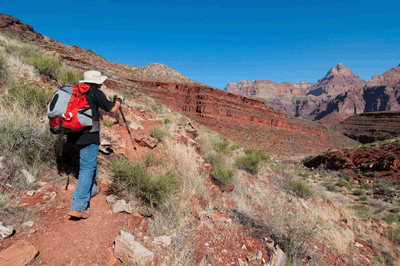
x=331, y=187
x=251, y=161
x=223, y=175
x=343, y=183
x=45, y=65
x=366, y=186
x=129, y=94
x=363, y=198
x=158, y=132
x=363, y=211
x=394, y=234
x=359, y=192
x=30, y=95
x=132, y=179
x=3, y=70
x=213, y=159
x=300, y=188
x=391, y=218
x=222, y=146
x=107, y=123
x=151, y=160
x=68, y=76
x=167, y=121
x=235, y=146
x=182, y=122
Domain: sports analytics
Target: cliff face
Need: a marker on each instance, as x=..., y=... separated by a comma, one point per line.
x=390, y=77
x=339, y=79
x=264, y=88
x=371, y=127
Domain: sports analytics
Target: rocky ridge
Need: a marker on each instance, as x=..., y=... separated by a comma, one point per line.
x=390, y=77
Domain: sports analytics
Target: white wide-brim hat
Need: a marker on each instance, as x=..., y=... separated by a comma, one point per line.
x=93, y=76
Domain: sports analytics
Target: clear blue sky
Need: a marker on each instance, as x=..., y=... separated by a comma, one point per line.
x=215, y=42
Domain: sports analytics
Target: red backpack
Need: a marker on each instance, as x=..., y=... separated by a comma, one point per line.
x=70, y=110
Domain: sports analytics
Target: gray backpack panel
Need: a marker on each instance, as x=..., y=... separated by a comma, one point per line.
x=85, y=118
x=60, y=101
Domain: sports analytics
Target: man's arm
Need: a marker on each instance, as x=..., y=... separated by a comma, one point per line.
x=116, y=107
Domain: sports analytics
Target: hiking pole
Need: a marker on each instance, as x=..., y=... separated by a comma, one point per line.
x=123, y=117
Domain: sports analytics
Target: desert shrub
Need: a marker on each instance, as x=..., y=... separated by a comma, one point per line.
x=167, y=120
x=69, y=76
x=182, y=121
x=300, y=188
x=223, y=175
x=158, y=132
x=394, y=234
x=128, y=94
x=363, y=198
x=235, y=146
x=331, y=187
x=391, y=218
x=151, y=160
x=359, y=192
x=132, y=179
x=366, y=186
x=45, y=65
x=291, y=231
x=8, y=207
x=251, y=161
x=222, y=146
x=29, y=95
x=363, y=211
x=3, y=70
x=213, y=159
x=343, y=183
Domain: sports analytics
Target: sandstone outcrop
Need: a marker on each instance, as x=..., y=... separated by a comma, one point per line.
x=265, y=88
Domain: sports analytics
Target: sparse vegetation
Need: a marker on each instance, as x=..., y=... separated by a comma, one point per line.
x=223, y=174
x=68, y=76
x=132, y=179
x=251, y=161
x=182, y=122
x=300, y=188
x=151, y=160
x=3, y=70
x=45, y=65
x=158, y=132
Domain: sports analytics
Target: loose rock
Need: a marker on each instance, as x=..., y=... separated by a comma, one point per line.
x=28, y=177
x=6, y=231
x=28, y=224
x=131, y=252
x=21, y=253
x=122, y=206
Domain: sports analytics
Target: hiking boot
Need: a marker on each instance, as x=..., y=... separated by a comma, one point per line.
x=83, y=214
x=98, y=189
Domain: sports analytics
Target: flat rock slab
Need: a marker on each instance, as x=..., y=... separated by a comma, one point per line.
x=131, y=252
x=20, y=254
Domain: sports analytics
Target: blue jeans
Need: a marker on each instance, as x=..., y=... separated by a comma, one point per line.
x=87, y=176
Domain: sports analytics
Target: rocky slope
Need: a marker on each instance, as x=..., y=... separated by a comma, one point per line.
x=221, y=110
x=371, y=127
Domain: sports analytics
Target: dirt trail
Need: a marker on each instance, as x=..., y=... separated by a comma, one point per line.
x=63, y=241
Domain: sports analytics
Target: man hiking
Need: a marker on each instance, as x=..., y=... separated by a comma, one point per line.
x=88, y=142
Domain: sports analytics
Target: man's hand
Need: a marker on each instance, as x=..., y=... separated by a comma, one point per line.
x=117, y=99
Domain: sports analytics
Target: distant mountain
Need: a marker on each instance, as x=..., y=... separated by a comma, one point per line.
x=390, y=77
x=265, y=88
x=339, y=79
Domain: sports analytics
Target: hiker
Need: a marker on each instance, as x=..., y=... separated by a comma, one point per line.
x=88, y=142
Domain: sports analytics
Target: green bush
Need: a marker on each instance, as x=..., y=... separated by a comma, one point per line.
x=331, y=187
x=251, y=161
x=391, y=218
x=29, y=95
x=359, y=192
x=394, y=234
x=157, y=132
x=47, y=66
x=363, y=198
x=182, y=122
x=130, y=180
x=69, y=77
x=223, y=175
x=235, y=146
x=343, y=183
x=151, y=160
x=167, y=120
x=300, y=188
x=366, y=186
x=3, y=70
x=222, y=146
x=213, y=159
